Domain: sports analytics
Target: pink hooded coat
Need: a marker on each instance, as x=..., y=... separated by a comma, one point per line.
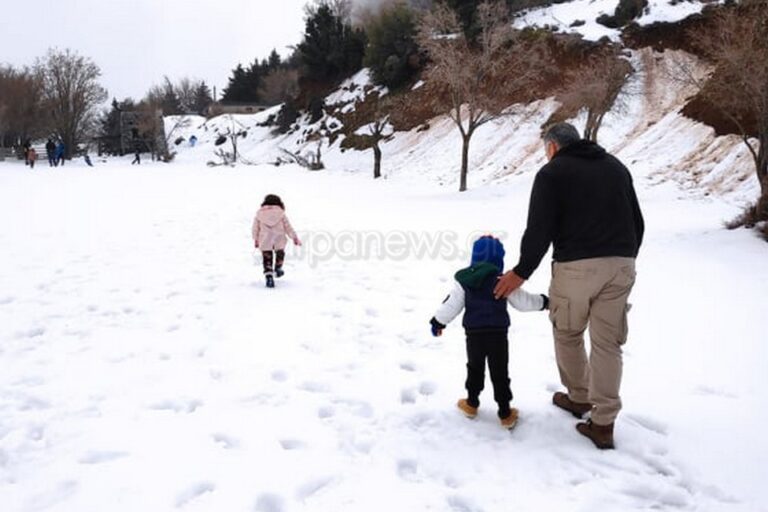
x=271, y=227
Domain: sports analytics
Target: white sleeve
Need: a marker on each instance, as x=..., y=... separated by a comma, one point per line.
x=521, y=300
x=451, y=306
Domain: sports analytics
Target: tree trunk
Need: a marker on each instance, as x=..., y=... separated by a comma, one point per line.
x=762, y=175
x=464, y=161
x=589, y=128
x=376, y=161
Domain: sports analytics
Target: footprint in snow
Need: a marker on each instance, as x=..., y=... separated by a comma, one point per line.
x=408, y=366
x=34, y=332
x=407, y=396
x=462, y=504
x=101, y=457
x=292, y=444
x=31, y=403
x=6, y=300
x=36, y=433
x=194, y=492
x=279, y=376
x=225, y=441
x=427, y=388
x=312, y=487
x=269, y=502
x=178, y=406
x=407, y=468
x=314, y=387
x=656, y=498
x=326, y=412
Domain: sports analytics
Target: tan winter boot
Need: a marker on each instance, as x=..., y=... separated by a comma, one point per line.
x=562, y=401
x=601, y=435
x=510, y=421
x=466, y=409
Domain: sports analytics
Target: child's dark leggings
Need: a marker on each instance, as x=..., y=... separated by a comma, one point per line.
x=273, y=260
x=493, y=346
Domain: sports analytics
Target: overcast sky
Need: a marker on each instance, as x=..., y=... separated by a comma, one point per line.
x=137, y=42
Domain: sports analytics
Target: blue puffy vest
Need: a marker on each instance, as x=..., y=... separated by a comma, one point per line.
x=482, y=311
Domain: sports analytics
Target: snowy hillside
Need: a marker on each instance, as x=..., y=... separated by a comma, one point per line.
x=649, y=135
x=580, y=16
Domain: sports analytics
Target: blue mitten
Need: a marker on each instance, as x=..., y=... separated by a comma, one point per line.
x=437, y=327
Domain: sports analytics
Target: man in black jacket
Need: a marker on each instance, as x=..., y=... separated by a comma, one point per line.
x=583, y=203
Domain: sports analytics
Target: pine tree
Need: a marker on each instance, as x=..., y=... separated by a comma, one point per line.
x=331, y=49
x=236, y=90
x=274, y=61
x=202, y=98
x=392, y=52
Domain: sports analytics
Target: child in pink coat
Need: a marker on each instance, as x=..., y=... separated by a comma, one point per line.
x=270, y=230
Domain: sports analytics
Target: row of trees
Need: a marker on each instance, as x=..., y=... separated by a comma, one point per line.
x=56, y=97
x=255, y=84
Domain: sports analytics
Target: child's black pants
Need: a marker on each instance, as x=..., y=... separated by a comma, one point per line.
x=493, y=346
x=273, y=260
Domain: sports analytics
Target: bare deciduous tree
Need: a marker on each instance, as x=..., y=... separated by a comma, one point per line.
x=72, y=92
x=186, y=91
x=737, y=48
x=598, y=87
x=479, y=76
x=280, y=86
x=381, y=129
x=21, y=106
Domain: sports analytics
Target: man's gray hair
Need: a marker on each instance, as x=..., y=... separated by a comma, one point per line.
x=562, y=134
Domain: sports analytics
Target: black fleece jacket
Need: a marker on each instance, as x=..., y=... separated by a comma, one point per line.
x=583, y=202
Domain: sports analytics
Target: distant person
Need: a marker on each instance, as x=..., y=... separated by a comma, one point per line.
x=27, y=145
x=87, y=160
x=50, y=152
x=61, y=150
x=270, y=230
x=486, y=323
x=137, y=157
x=584, y=204
x=192, y=141
x=32, y=157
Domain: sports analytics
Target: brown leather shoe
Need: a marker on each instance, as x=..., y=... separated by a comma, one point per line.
x=510, y=421
x=601, y=435
x=468, y=410
x=562, y=401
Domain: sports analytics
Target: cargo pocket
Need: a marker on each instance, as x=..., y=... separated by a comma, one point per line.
x=624, y=332
x=560, y=313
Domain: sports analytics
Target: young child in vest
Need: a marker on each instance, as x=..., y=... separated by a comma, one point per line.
x=270, y=230
x=486, y=322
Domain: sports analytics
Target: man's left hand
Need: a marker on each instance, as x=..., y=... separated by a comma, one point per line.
x=507, y=284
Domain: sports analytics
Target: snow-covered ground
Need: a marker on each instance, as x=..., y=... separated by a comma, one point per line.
x=144, y=366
